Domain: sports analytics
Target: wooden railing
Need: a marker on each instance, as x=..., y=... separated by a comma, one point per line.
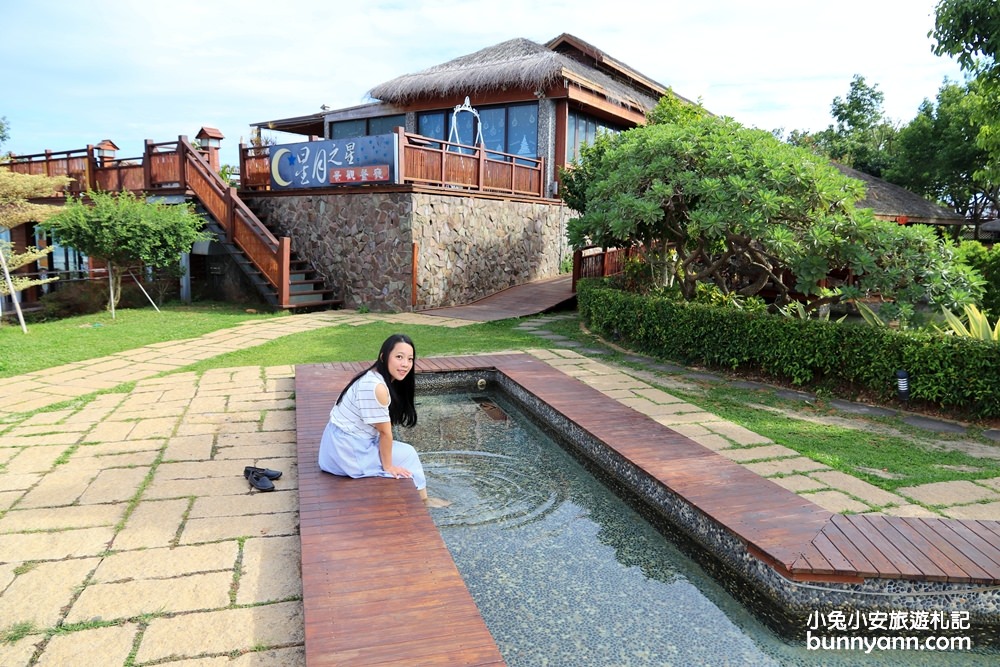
x=174, y=166
x=597, y=262
x=431, y=162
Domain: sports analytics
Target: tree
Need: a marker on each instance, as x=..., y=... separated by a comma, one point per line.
x=863, y=136
x=4, y=130
x=742, y=210
x=969, y=30
x=938, y=155
x=15, y=210
x=125, y=232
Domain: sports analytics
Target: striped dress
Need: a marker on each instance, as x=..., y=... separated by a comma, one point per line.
x=349, y=446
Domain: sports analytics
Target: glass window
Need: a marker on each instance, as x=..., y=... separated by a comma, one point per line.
x=582, y=130
x=344, y=129
x=494, y=126
x=431, y=124
x=385, y=124
x=522, y=130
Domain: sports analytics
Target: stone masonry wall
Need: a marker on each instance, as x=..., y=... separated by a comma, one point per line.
x=467, y=247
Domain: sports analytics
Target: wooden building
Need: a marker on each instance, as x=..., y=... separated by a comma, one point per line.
x=540, y=101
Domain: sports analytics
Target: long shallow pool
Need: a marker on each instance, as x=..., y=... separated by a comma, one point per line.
x=568, y=573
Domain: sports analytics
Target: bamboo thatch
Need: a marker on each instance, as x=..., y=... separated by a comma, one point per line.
x=892, y=201
x=518, y=64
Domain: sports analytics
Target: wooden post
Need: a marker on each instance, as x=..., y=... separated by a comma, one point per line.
x=284, y=266
x=482, y=166
x=90, y=170
x=413, y=276
x=577, y=261
x=230, y=214
x=182, y=146
x=147, y=166
x=243, y=164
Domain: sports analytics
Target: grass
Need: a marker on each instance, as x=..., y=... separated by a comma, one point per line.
x=361, y=343
x=49, y=344
x=905, y=452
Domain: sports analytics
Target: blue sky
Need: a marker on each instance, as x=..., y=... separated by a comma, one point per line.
x=76, y=72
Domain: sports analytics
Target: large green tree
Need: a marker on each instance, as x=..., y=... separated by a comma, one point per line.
x=127, y=232
x=743, y=210
x=969, y=30
x=937, y=155
x=862, y=136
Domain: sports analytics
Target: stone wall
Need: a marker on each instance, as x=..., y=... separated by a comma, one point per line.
x=466, y=247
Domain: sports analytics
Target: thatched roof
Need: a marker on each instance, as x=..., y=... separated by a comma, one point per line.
x=888, y=200
x=518, y=64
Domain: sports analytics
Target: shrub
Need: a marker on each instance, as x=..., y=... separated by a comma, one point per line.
x=850, y=358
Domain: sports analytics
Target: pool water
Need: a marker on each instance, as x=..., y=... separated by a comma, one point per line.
x=566, y=573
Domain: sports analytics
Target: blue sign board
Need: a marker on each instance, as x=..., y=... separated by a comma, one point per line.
x=319, y=164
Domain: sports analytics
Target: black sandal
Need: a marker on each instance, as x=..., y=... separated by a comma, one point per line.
x=264, y=472
x=260, y=481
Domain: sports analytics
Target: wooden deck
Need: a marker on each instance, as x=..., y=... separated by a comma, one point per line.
x=380, y=588
x=518, y=301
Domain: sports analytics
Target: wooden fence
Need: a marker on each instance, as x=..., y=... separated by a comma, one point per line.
x=598, y=262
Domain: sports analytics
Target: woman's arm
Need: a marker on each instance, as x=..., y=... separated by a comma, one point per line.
x=385, y=451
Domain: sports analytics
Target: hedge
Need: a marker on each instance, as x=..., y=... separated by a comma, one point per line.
x=945, y=371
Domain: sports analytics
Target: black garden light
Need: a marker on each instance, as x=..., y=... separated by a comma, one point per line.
x=903, y=385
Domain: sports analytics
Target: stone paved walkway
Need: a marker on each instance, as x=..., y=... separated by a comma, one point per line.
x=125, y=520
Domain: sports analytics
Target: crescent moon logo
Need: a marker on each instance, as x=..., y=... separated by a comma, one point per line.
x=275, y=162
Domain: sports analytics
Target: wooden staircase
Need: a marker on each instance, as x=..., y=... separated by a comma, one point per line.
x=172, y=169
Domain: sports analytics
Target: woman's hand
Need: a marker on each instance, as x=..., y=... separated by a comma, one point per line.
x=398, y=471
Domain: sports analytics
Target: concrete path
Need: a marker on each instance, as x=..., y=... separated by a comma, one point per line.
x=126, y=523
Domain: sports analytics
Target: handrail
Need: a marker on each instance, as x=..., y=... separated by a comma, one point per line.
x=432, y=162
x=171, y=165
x=269, y=254
x=597, y=262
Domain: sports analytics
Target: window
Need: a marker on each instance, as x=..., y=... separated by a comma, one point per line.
x=582, y=130
x=511, y=128
x=365, y=127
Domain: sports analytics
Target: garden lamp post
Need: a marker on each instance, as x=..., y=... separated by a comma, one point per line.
x=903, y=385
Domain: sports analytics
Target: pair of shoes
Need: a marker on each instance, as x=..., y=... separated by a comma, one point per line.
x=263, y=472
x=261, y=479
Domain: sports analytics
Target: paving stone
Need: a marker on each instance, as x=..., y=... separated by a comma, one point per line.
x=657, y=395
x=40, y=594
x=798, y=483
x=36, y=458
x=691, y=430
x=648, y=407
x=153, y=523
x=858, y=488
x=8, y=498
x=160, y=427
x=263, y=503
x=915, y=511
x=57, y=545
x=279, y=420
x=116, y=485
x=736, y=433
x=92, y=646
x=61, y=487
x=711, y=441
x=189, y=448
x=199, y=470
x=835, y=501
x=20, y=652
x=103, y=449
x=741, y=454
x=949, y=493
x=223, y=418
x=19, y=482
x=979, y=511
x=163, y=563
x=935, y=425
x=271, y=570
x=77, y=516
x=151, y=596
x=992, y=434
x=160, y=489
x=992, y=483
x=785, y=466
x=242, y=454
x=227, y=631
x=684, y=418
x=861, y=409
x=252, y=525
x=108, y=431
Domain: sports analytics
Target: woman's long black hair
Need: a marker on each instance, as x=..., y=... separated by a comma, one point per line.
x=402, y=410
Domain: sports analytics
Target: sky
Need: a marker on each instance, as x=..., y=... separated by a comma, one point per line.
x=74, y=73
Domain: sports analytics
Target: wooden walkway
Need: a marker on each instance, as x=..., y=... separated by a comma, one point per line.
x=379, y=587
x=518, y=301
